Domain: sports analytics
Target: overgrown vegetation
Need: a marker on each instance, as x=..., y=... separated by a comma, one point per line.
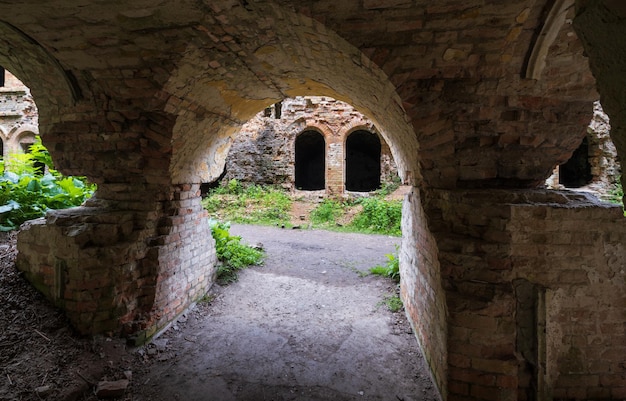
x=374, y=215
x=391, y=268
x=254, y=204
x=257, y=204
x=231, y=253
x=30, y=186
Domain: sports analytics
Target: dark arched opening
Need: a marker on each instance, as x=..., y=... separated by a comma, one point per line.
x=576, y=172
x=362, y=161
x=310, y=161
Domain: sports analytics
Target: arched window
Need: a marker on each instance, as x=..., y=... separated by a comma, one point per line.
x=362, y=161
x=576, y=172
x=310, y=161
x=1, y=148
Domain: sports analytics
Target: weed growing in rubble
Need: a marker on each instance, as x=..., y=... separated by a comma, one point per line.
x=231, y=253
x=391, y=269
x=30, y=186
x=393, y=303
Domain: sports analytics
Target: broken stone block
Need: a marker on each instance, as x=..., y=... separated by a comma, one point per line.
x=43, y=391
x=111, y=389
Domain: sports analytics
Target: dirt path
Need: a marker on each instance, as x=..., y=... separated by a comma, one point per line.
x=304, y=326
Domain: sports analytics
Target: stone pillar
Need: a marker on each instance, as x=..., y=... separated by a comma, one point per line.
x=335, y=162
x=140, y=251
x=533, y=287
x=126, y=272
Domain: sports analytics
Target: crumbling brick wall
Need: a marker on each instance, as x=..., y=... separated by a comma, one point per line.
x=264, y=150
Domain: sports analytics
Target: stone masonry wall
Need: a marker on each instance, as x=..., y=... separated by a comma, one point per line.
x=533, y=287
x=264, y=149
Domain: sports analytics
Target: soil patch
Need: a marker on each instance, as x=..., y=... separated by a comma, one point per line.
x=306, y=325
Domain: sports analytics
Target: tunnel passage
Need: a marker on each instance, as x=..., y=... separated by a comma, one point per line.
x=310, y=161
x=362, y=161
x=576, y=172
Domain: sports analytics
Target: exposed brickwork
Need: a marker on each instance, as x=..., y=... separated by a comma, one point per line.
x=421, y=288
x=125, y=272
x=263, y=151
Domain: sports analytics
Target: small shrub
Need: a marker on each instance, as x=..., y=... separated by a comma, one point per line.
x=379, y=216
x=231, y=253
x=327, y=212
x=234, y=187
x=391, y=269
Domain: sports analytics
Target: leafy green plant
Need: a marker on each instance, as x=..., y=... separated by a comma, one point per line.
x=327, y=212
x=379, y=216
x=28, y=191
x=231, y=253
x=391, y=269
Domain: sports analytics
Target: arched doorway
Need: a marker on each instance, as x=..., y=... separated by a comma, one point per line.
x=310, y=161
x=362, y=161
x=576, y=172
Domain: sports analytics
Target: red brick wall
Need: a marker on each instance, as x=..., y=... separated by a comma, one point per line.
x=421, y=289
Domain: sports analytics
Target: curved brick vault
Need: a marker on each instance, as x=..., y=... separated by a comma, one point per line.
x=514, y=292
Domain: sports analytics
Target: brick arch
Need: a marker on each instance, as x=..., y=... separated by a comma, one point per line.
x=211, y=107
x=276, y=71
x=21, y=135
x=40, y=70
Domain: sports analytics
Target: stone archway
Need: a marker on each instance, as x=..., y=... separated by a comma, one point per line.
x=310, y=161
x=576, y=172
